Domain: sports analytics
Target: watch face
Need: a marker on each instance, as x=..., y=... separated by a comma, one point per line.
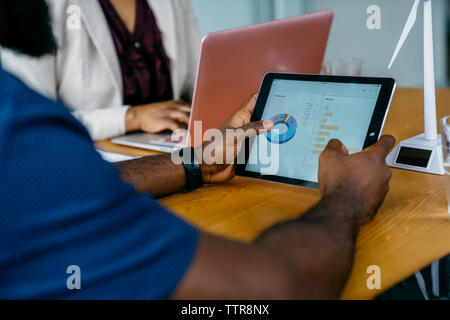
x=188, y=156
x=194, y=177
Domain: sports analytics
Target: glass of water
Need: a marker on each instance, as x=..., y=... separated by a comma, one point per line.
x=445, y=128
x=344, y=67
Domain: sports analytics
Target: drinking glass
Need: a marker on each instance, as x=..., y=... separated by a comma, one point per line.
x=445, y=129
x=344, y=67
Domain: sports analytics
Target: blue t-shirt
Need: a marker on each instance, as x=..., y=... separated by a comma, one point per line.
x=61, y=205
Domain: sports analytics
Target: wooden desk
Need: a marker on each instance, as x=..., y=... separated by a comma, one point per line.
x=411, y=230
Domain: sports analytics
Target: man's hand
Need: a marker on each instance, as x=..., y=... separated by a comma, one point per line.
x=219, y=156
x=160, y=176
x=361, y=180
x=242, y=116
x=292, y=260
x=157, y=117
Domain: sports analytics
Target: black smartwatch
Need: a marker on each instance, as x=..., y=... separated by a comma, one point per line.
x=194, y=177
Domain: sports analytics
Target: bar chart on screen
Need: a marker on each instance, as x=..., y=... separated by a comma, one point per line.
x=326, y=127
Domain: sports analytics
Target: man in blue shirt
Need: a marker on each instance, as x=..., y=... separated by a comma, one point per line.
x=65, y=209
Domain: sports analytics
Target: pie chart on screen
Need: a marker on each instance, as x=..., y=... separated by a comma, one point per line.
x=285, y=127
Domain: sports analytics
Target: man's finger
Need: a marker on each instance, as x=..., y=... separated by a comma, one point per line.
x=255, y=128
x=252, y=130
x=336, y=145
x=383, y=146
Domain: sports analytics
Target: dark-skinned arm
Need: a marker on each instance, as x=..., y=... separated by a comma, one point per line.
x=160, y=176
x=308, y=258
x=156, y=175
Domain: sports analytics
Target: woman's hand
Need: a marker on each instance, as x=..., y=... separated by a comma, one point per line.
x=157, y=117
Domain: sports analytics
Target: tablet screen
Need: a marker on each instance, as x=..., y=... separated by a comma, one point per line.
x=307, y=114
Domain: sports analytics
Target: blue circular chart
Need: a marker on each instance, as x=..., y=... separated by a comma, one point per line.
x=289, y=122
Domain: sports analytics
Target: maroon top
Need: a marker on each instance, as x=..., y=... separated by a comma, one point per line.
x=144, y=63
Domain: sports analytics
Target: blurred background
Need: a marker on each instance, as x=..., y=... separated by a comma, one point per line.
x=350, y=37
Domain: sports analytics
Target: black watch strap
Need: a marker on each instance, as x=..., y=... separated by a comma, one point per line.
x=194, y=178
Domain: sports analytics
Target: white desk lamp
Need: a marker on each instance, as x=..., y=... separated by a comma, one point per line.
x=424, y=152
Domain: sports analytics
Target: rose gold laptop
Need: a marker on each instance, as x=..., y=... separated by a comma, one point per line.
x=234, y=62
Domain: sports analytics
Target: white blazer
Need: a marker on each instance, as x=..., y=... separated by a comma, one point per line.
x=85, y=73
